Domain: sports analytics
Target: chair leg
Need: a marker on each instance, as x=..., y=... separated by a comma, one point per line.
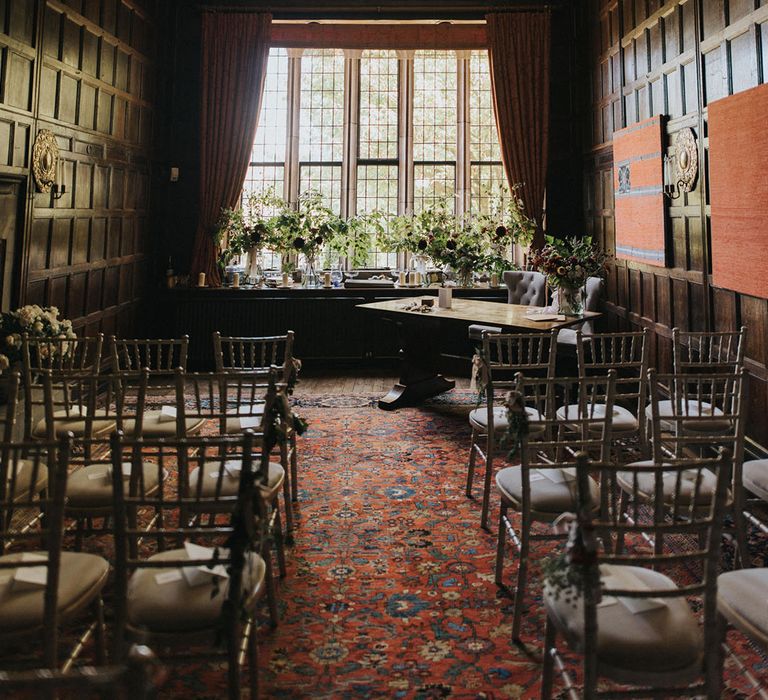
x=501, y=541
x=253, y=661
x=99, y=635
x=522, y=578
x=269, y=576
x=288, y=506
x=279, y=543
x=487, y=483
x=739, y=523
x=471, y=465
x=548, y=668
x=294, y=469
x=716, y=661
x=233, y=668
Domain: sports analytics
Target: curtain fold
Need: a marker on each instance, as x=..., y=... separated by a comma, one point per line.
x=235, y=50
x=519, y=57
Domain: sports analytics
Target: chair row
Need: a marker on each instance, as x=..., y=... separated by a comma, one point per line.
x=188, y=553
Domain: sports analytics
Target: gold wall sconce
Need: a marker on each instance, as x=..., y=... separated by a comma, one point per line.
x=47, y=166
x=681, y=168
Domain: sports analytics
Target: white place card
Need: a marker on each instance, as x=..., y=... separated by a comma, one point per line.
x=250, y=422
x=107, y=472
x=536, y=475
x=31, y=576
x=620, y=579
x=199, y=575
x=168, y=577
x=167, y=414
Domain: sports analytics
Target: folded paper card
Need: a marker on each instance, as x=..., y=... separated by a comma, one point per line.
x=106, y=472
x=31, y=576
x=167, y=414
x=198, y=575
x=618, y=578
x=250, y=422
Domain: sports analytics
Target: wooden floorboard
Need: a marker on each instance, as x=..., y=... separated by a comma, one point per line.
x=354, y=384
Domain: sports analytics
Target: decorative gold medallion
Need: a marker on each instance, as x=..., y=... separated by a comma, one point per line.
x=45, y=159
x=686, y=159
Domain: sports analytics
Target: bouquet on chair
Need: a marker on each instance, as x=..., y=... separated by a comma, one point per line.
x=34, y=321
x=567, y=263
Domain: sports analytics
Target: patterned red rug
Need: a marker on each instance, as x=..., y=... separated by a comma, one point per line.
x=390, y=588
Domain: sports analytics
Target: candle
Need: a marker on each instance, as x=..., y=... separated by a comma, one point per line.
x=285, y=279
x=236, y=279
x=412, y=277
x=444, y=296
x=201, y=280
x=402, y=279
x=326, y=279
x=418, y=277
x=494, y=280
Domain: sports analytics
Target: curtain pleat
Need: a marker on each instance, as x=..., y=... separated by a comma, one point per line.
x=519, y=57
x=235, y=50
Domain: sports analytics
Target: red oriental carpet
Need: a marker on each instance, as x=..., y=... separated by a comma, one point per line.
x=390, y=588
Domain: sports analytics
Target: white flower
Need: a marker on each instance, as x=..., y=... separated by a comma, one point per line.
x=37, y=327
x=4, y=363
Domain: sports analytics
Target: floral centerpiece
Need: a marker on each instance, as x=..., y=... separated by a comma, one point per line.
x=568, y=263
x=34, y=321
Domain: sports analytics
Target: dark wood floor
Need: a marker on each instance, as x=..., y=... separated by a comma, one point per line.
x=353, y=382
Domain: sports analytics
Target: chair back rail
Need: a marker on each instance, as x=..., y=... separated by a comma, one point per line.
x=242, y=353
x=19, y=505
x=692, y=565
x=235, y=524
x=708, y=351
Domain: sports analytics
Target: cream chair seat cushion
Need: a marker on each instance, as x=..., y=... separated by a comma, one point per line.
x=694, y=408
x=478, y=418
x=91, y=486
x=663, y=639
x=741, y=598
x=755, y=477
x=153, y=427
x=230, y=480
x=646, y=484
x=74, y=424
x=24, y=472
x=81, y=578
x=622, y=422
x=176, y=606
x=547, y=494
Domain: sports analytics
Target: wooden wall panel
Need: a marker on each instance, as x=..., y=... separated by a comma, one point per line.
x=83, y=69
x=658, y=45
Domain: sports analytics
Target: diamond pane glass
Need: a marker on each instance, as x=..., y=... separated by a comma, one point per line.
x=321, y=117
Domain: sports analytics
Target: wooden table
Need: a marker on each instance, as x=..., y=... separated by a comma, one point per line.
x=418, y=333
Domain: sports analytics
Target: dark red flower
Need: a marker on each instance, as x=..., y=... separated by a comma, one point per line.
x=298, y=242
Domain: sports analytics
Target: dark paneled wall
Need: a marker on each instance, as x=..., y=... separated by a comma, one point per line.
x=86, y=70
x=647, y=57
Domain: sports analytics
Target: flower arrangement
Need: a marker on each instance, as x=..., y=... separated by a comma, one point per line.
x=34, y=321
x=567, y=263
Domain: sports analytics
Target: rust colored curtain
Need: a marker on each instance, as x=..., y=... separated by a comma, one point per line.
x=518, y=51
x=235, y=50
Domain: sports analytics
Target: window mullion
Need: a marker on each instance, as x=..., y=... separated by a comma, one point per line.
x=405, y=185
x=291, y=183
x=351, y=132
x=462, y=173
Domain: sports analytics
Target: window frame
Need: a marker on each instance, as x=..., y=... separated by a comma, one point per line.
x=404, y=161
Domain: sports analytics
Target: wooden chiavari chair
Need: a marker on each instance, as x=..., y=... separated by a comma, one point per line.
x=627, y=354
x=43, y=589
x=187, y=578
x=630, y=617
x=542, y=487
x=705, y=411
x=503, y=355
x=160, y=358
x=231, y=404
x=245, y=354
x=60, y=357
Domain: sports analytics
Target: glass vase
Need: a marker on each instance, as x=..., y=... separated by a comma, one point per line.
x=570, y=301
x=309, y=276
x=464, y=277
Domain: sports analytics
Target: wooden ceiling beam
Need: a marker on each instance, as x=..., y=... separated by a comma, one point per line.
x=379, y=36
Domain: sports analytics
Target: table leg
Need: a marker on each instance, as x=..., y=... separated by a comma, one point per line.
x=419, y=357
